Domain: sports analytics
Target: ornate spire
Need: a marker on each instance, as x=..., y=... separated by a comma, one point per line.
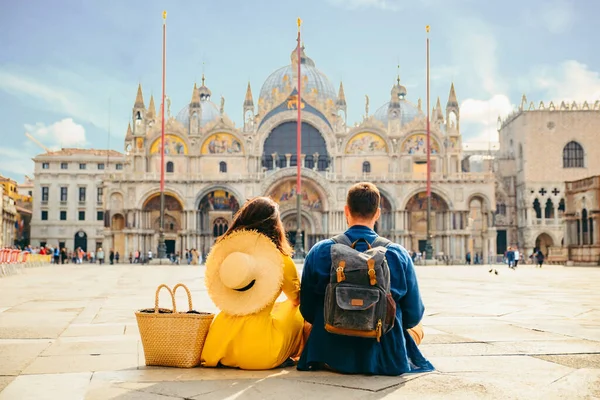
x=438, y=108
x=139, y=99
x=452, y=100
x=151, y=107
x=196, y=95
x=341, y=100
x=203, y=91
x=129, y=132
x=249, y=101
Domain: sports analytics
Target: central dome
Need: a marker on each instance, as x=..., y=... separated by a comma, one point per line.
x=284, y=81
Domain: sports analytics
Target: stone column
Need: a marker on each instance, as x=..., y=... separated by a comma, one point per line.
x=288, y=157
x=274, y=155
x=303, y=160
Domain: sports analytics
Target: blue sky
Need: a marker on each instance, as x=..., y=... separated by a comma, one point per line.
x=63, y=62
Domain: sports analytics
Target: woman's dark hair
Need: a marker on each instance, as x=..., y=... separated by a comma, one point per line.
x=261, y=214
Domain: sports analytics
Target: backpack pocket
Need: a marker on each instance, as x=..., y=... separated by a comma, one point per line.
x=352, y=310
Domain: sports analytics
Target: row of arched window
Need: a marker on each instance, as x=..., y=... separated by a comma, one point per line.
x=573, y=156
x=548, y=209
x=171, y=167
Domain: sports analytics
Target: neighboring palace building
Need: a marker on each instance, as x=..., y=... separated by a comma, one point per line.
x=8, y=216
x=68, y=207
x=212, y=167
x=541, y=148
x=583, y=221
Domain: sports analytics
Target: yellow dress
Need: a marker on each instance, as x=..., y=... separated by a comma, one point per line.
x=263, y=340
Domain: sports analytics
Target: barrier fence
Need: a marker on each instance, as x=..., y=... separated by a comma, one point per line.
x=12, y=260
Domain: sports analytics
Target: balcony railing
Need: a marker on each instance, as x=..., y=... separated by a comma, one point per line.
x=329, y=175
x=547, y=222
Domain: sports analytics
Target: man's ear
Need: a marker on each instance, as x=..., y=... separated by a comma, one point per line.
x=377, y=214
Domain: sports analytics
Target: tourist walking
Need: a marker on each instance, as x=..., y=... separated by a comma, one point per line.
x=117, y=256
x=111, y=257
x=100, y=256
x=539, y=258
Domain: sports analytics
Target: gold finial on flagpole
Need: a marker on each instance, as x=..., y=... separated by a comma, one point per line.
x=164, y=15
x=299, y=23
x=427, y=28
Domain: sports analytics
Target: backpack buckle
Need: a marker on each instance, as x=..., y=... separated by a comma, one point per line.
x=340, y=271
x=371, y=272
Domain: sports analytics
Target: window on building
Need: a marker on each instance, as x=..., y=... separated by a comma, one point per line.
x=82, y=194
x=100, y=165
x=501, y=209
x=82, y=166
x=573, y=155
x=537, y=208
x=63, y=215
x=45, y=165
x=366, y=167
x=100, y=216
x=561, y=207
x=64, y=165
x=584, y=227
x=99, y=195
x=549, y=209
x=45, y=191
x=170, y=167
x=82, y=215
x=309, y=162
x=63, y=193
x=222, y=167
x=119, y=166
x=44, y=215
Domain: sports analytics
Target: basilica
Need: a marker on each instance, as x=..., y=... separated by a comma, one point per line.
x=212, y=167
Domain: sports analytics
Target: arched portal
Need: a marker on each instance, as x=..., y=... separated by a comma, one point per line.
x=417, y=219
x=312, y=206
x=543, y=242
x=282, y=141
x=173, y=223
x=215, y=214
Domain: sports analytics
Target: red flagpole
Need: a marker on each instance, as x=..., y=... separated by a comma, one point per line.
x=299, y=127
x=429, y=244
x=298, y=245
x=162, y=134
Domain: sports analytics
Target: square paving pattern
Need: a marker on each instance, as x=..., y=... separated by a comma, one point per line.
x=69, y=332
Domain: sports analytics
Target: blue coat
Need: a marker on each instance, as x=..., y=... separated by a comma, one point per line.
x=397, y=353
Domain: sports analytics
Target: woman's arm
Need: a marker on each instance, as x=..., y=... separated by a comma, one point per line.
x=291, y=283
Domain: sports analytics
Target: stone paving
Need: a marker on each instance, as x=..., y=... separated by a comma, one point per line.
x=69, y=332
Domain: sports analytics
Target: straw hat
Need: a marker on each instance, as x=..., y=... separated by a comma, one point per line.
x=244, y=273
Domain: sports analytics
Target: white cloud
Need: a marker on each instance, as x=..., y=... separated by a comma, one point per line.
x=64, y=133
x=480, y=117
x=570, y=81
x=15, y=163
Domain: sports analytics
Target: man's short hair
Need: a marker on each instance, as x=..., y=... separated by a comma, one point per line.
x=363, y=200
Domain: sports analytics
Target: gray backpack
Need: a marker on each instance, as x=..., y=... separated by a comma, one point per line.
x=358, y=301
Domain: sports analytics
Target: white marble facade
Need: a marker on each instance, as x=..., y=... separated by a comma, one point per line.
x=212, y=167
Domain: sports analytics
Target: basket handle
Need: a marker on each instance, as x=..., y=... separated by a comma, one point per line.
x=189, y=295
x=163, y=286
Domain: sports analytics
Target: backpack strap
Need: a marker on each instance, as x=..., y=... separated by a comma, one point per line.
x=342, y=239
x=381, y=241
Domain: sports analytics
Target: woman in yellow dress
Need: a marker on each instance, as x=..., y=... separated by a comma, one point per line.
x=246, y=271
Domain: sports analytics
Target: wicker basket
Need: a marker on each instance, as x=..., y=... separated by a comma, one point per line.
x=171, y=338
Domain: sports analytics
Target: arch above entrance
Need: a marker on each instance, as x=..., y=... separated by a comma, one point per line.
x=418, y=202
x=226, y=188
x=151, y=194
x=320, y=184
x=172, y=203
x=434, y=191
x=284, y=193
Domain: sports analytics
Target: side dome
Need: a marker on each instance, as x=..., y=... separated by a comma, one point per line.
x=210, y=112
x=408, y=112
x=283, y=81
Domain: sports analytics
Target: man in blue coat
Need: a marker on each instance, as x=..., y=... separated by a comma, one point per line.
x=397, y=353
